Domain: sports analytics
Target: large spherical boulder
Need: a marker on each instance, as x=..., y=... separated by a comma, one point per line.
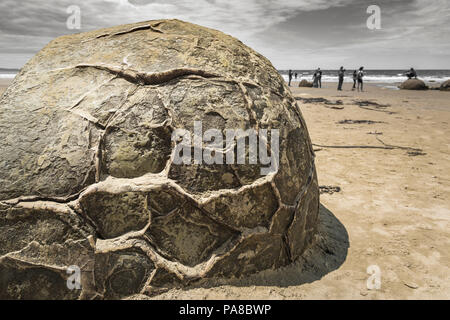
x=413, y=84
x=305, y=83
x=91, y=201
x=445, y=86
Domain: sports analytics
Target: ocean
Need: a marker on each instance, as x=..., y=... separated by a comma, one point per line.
x=8, y=73
x=373, y=76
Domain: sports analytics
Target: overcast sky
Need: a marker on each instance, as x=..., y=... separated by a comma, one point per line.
x=297, y=34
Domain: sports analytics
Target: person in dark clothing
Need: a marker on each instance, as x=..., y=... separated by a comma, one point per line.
x=319, y=77
x=296, y=75
x=360, y=76
x=315, y=79
x=341, y=75
x=411, y=74
x=290, y=77
x=355, y=77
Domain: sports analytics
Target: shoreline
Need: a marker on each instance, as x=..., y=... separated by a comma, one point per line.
x=386, y=85
x=434, y=86
x=4, y=83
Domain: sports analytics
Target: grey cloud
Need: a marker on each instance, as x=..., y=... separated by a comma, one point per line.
x=289, y=32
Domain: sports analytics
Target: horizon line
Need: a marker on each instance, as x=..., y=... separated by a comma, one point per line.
x=303, y=69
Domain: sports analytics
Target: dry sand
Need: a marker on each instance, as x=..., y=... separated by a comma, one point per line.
x=393, y=209
x=4, y=83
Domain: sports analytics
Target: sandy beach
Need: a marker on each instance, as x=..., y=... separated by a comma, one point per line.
x=4, y=83
x=388, y=172
x=393, y=208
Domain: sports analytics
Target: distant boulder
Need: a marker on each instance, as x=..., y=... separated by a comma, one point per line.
x=413, y=84
x=445, y=86
x=305, y=83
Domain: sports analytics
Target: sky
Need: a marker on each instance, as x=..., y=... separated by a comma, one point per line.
x=293, y=34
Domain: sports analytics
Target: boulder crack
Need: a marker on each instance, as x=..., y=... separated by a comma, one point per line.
x=144, y=78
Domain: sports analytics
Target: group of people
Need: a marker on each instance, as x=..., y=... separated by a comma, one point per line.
x=317, y=78
x=358, y=76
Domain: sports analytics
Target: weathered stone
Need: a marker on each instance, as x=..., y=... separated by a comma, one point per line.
x=87, y=177
x=121, y=274
x=413, y=84
x=39, y=241
x=445, y=86
x=305, y=83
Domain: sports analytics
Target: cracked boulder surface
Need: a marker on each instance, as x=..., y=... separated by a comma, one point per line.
x=87, y=177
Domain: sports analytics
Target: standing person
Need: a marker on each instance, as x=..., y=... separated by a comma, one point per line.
x=341, y=75
x=315, y=79
x=290, y=77
x=295, y=76
x=355, y=77
x=360, y=77
x=319, y=77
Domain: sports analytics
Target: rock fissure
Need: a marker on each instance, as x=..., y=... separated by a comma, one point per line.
x=156, y=78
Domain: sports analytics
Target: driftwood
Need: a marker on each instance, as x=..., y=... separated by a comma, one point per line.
x=325, y=102
x=347, y=121
x=410, y=151
x=329, y=189
x=373, y=106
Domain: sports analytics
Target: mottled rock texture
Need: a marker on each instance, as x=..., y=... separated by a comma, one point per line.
x=445, y=86
x=305, y=83
x=87, y=178
x=413, y=84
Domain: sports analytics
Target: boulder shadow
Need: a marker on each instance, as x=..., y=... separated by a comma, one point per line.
x=327, y=254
